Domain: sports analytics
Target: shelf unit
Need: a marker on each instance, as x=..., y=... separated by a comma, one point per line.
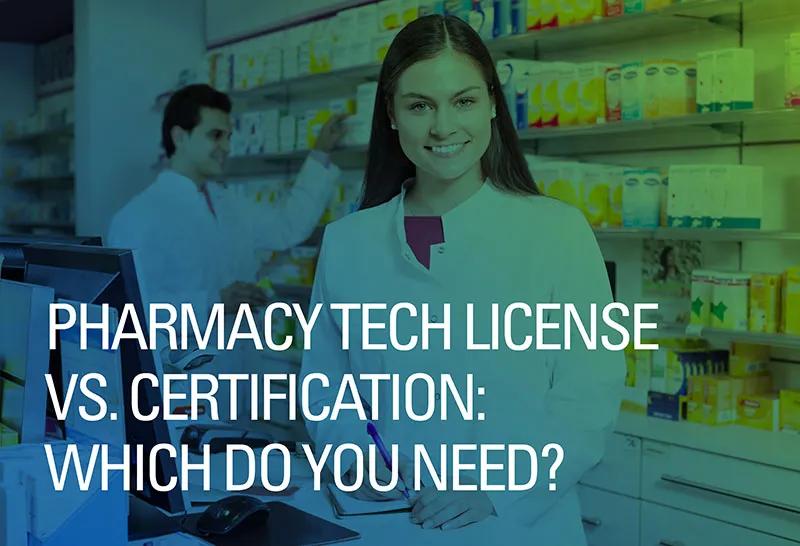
x=690, y=234
x=731, y=123
x=786, y=341
x=686, y=17
x=39, y=137
x=691, y=16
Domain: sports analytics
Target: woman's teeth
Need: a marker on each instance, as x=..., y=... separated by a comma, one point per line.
x=447, y=150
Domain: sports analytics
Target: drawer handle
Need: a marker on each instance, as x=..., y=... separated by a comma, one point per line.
x=594, y=522
x=669, y=543
x=677, y=480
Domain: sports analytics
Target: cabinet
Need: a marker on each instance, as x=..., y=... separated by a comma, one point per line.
x=728, y=489
x=662, y=526
x=609, y=518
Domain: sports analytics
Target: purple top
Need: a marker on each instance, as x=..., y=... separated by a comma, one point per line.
x=421, y=233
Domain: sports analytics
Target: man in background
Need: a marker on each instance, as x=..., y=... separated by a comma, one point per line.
x=188, y=232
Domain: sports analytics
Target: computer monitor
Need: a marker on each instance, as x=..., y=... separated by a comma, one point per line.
x=11, y=249
x=24, y=360
x=102, y=275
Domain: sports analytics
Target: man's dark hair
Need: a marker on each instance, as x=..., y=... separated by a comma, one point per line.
x=183, y=110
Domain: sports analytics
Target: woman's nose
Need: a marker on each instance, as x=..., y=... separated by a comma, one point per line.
x=444, y=123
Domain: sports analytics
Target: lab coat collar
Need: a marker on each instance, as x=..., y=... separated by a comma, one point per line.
x=170, y=176
x=473, y=205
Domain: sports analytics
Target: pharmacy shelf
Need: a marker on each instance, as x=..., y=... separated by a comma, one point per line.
x=685, y=17
x=48, y=135
x=55, y=88
x=771, y=448
x=41, y=181
x=347, y=157
x=732, y=121
x=690, y=16
x=727, y=336
x=342, y=81
x=689, y=234
x=330, y=83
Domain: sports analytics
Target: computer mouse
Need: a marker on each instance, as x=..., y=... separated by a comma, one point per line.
x=226, y=514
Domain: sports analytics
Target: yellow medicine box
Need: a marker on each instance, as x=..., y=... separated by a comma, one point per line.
x=759, y=411
x=790, y=411
x=747, y=359
x=721, y=396
x=765, y=303
x=791, y=301
x=652, y=5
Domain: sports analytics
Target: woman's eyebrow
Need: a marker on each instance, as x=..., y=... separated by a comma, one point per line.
x=421, y=96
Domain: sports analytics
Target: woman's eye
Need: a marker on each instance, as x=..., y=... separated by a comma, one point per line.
x=418, y=107
x=465, y=102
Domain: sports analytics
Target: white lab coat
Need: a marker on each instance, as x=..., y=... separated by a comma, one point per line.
x=498, y=248
x=184, y=254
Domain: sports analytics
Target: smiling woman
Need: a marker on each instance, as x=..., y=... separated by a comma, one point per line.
x=451, y=215
x=440, y=115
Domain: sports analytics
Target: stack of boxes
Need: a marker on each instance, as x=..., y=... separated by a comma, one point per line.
x=595, y=189
x=272, y=131
x=685, y=380
x=651, y=89
x=691, y=196
x=758, y=302
x=554, y=94
x=725, y=80
x=715, y=196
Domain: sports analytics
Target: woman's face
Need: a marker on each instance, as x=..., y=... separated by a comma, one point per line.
x=443, y=113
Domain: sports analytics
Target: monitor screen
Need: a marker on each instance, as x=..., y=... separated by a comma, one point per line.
x=11, y=249
x=101, y=275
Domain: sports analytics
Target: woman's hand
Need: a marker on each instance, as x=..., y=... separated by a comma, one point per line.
x=450, y=509
x=383, y=476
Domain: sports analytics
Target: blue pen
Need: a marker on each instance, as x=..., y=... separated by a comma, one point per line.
x=387, y=459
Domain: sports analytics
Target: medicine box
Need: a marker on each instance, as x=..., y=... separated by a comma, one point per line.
x=790, y=411
x=632, y=91
x=759, y=411
x=734, y=79
x=613, y=8
x=613, y=93
x=748, y=359
x=791, y=301
x=705, y=82
x=633, y=6
x=765, y=303
x=587, y=10
x=663, y=406
x=591, y=92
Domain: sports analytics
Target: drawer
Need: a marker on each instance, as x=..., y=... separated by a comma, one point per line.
x=741, y=492
x=662, y=526
x=609, y=519
x=620, y=469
